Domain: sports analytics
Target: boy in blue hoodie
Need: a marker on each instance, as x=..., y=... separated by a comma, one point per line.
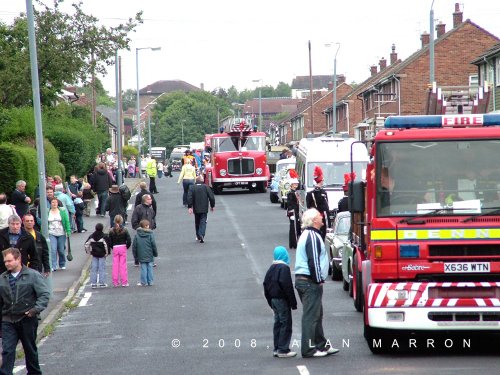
x=280, y=296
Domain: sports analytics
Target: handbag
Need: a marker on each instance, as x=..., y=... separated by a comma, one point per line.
x=69, y=257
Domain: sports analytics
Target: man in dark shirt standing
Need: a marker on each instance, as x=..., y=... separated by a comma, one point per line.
x=20, y=199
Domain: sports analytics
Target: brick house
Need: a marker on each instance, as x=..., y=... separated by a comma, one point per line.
x=488, y=65
x=301, y=84
x=298, y=124
x=270, y=107
x=401, y=88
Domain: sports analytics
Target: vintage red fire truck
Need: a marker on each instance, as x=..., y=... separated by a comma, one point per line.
x=426, y=229
x=237, y=158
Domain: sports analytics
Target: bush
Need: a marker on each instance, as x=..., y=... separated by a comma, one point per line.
x=128, y=151
x=18, y=163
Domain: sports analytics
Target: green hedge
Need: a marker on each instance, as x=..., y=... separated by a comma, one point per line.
x=18, y=163
x=128, y=151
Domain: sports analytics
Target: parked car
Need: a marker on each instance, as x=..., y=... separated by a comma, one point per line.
x=337, y=238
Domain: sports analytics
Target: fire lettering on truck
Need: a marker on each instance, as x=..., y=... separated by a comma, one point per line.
x=465, y=120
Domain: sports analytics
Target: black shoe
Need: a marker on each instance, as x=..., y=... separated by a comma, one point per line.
x=202, y=240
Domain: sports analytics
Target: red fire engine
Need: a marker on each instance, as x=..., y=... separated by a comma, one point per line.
x=237, y=158
x=426, y=228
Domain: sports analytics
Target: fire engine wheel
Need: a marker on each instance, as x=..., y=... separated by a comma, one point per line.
x=261, y=187
x=217, y=188
x=358, y=298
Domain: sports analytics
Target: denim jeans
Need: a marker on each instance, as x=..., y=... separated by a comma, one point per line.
x=58, y=250
x=282, y=330
x=200, y=224
x=147, y=273
x=186, y=184
x=313, y=337
x=102, y=196
x=79, y=221
x=24, y=330
x=98, y=270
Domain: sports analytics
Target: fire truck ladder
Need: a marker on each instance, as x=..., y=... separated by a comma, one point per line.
x=457, y=100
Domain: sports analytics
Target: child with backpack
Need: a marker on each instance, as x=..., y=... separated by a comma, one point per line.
x=119, y=241
x=97, y=246
x=279, y=293
x=144, y=250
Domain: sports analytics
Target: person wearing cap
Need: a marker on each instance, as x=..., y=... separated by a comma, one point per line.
x=279, y=293
x=343, y=204
x=311, y=271
x=293, y=210
x=318, y=199
x=115, y=204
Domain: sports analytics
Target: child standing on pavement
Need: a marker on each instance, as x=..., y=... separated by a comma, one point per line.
x=280, y=296
x=144, y=250
x=119, y=241
x=97, y=246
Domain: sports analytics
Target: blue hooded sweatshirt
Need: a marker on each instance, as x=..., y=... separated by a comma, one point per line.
x=278, y=280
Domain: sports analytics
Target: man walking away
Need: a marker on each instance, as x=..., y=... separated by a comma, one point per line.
x=23, y=295
x=199, y=195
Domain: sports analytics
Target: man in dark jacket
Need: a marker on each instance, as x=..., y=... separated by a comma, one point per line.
x=115, y=204
x=101, y=182
x=23, y=295
x=144, y=211
x=20, y=199
x=42, y=264
x=278, y=289
x=141, y=193
x=199, y=195
x=15, y=236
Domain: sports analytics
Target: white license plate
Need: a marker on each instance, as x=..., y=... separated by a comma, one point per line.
x=469, y=267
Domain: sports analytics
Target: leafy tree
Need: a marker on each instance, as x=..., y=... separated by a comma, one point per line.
x=129, y=98
x=71, y=48
x=283, y=90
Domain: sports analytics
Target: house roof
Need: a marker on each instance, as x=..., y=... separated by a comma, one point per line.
x=319, y=82
x=159, y=87
x=109, y=113
x=493, y=51
x=271, y=105
x=400, y=65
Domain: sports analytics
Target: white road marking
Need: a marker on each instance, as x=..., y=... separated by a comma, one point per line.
x=303, y=370
x=18, y=368
x=85, y=299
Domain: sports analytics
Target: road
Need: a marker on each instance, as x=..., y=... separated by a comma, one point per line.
x=206, y=313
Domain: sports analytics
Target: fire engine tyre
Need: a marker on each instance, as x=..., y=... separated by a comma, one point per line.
x=217, y=189
x=261, y=187
x=359, y=298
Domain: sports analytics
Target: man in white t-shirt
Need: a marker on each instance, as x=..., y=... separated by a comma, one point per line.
x=6, y=210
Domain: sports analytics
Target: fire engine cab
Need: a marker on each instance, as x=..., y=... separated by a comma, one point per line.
x=426, y=228
x=238, y=158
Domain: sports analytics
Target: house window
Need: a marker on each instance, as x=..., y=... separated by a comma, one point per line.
x=473, y=80
x=498, y=72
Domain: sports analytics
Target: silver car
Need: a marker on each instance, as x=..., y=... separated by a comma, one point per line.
x=336, y=240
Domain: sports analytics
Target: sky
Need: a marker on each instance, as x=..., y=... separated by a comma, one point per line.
x=220, y=43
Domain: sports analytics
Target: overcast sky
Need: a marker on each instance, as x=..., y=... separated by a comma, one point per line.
x=230, y=42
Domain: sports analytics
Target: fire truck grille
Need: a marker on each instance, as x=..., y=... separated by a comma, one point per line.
x=238, y=166
x=464, y=251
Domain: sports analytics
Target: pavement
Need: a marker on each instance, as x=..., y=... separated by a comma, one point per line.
x=64, y=284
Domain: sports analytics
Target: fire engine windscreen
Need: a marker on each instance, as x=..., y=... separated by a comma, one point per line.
x=439, y=177
x=236, y=143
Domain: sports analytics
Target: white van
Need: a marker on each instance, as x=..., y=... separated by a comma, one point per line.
x=333, y=155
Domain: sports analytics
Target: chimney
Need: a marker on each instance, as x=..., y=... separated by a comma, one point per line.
x=441, y=29
x=382, y=63
x=394, y=55
x=373, y=70
x=340, y=79
x=425, y=38
x=457, y=16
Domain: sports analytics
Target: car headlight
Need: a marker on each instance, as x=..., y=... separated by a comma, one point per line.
x=287, y=186
x=222, y=172
x=258, y=171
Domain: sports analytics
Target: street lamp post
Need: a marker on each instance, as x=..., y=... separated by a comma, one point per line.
x=431, y=45
x=260, y=102
x=138, y=103
x=334, y=88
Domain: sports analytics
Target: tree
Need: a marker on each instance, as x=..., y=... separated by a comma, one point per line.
x=283, y=90
x=129, y=99
x=71, y=49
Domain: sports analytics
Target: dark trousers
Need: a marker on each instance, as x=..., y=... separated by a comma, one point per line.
x=186, y=184
x=200, y=224
x=101, y=201
x=282, y=330
x=152, y=185
x=79, y=220
x=24, y=330
x=313, y=337
x=293, y=233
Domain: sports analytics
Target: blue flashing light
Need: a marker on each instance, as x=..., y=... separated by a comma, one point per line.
x=442, y=121
x=409, y=251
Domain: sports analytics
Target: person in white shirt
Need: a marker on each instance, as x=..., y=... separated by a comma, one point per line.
x=6, y=210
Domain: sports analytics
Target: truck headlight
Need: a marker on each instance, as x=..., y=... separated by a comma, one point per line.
x=258, y=171
x=222, y=172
